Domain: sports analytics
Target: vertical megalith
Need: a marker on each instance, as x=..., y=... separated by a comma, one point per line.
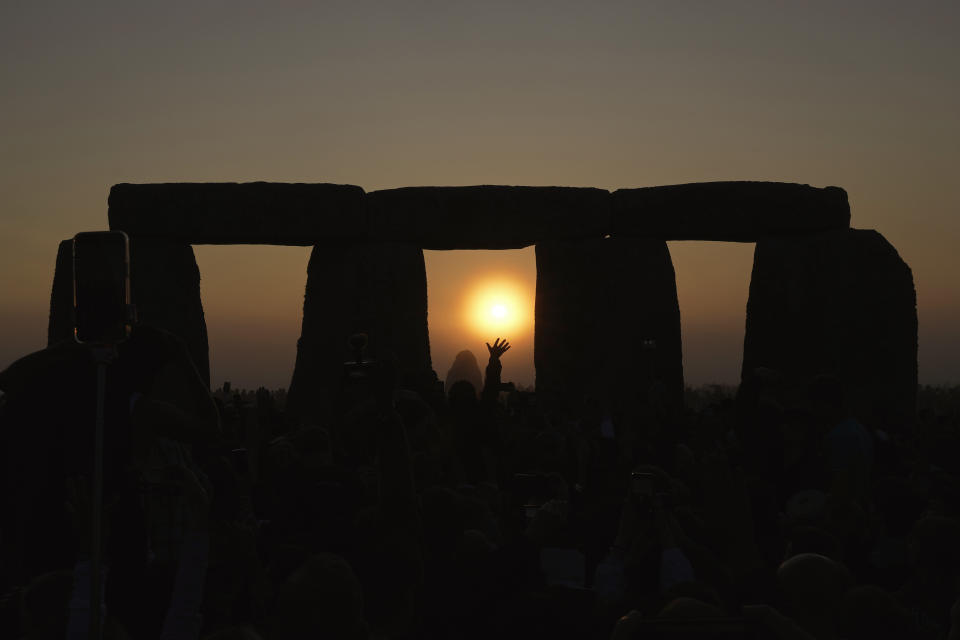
x=165, y=287
x=378, y=288
x=60, y=323
x=840, y=303
x=607, y=324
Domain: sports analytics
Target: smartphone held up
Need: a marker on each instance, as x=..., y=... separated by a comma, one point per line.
x=101, y=287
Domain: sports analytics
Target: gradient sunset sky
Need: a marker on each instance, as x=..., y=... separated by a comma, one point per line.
x=863, y=95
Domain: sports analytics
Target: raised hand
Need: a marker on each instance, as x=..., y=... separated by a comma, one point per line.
x=498, y=348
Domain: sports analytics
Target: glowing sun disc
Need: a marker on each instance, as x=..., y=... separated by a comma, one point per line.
x=496, y=305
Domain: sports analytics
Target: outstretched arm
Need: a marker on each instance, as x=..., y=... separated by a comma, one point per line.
x=491, y=385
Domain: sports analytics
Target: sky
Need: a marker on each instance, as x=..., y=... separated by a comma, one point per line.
x=862, y=95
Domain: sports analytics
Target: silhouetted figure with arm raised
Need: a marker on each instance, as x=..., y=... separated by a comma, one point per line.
x=492, y=385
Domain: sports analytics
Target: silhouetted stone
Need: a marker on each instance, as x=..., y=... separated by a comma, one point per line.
x=376, y=288
x=598, y=301
x=733, y=211
x=165, y=287
x=841, y=302
x=487, y=217
x=239, y=213
x=60, y=323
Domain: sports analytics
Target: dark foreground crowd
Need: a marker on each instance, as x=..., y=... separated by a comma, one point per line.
x=469, y=513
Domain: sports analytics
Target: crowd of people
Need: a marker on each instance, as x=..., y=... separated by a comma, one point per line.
x=471, y=513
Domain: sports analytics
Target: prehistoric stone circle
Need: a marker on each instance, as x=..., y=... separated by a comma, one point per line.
x=824, y=297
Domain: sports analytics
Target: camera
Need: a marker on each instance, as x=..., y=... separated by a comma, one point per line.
x=358, y=370
x=642, y=486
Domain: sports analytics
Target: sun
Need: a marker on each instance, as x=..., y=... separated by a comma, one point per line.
x=497, y=305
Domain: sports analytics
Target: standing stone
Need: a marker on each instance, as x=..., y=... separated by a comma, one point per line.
x=60, y=323
x=165, y=287
x=843, y=303
x=599, y=303
x=376, y=288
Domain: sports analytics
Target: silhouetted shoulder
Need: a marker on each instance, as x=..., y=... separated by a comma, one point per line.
x=148, y=350
x=35, y=367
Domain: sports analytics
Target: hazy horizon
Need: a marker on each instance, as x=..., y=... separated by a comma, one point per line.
x=862, y=95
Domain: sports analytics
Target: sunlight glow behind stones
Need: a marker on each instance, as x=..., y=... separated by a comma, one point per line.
x=498, y=305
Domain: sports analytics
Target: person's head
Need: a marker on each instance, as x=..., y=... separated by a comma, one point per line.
x=464, y=368
x=812, y=586
x=462, y=397
x=45, y=606
x=322, y=599
x=234, y=633
x=442, y=517
x=935, y=550
x=808, y=539
x=695, y=590
x=687, y=608
x=871, y=613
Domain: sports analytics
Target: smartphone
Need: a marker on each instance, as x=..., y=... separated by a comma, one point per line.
x=531, y=491
x=358, y=371
x=642, y=485
x=101, y=287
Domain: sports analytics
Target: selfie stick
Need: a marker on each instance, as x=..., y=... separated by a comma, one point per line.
x=102, y=355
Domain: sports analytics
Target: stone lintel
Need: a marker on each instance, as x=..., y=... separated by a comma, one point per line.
x=728, y=211
x=487, y=216
x=239, y=213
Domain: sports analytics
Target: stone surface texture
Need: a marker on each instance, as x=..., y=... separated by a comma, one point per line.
x=165, y=288
x=376, y=288
x=239, y=213
x=731, y=211
x=597, y=302
x=487, y=217
x=842, y=303
x=60, y=323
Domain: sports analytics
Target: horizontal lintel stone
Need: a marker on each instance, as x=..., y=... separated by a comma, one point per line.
x=239, y=213
x=731, y=211
x=487, y=216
